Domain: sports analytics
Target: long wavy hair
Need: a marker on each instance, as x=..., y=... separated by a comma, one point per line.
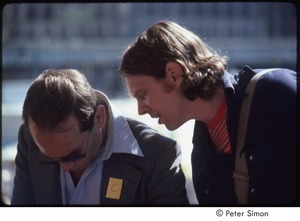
x=167, y=41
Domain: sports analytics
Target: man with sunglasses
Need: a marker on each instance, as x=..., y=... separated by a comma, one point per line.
x=76, y=148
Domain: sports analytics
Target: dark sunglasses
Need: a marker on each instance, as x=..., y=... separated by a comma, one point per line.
x=68, y=159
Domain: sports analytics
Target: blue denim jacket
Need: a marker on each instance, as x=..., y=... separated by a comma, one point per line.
x=270, y=145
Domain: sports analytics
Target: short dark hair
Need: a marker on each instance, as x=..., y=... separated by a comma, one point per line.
x=56, y=94
x=166, y=42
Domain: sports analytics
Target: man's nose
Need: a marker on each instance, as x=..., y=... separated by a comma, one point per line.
x=142, y=108
x=66, y=166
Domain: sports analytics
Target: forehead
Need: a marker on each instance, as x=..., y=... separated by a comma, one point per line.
x=70, y=124
x=58, y=142
x=140, y=82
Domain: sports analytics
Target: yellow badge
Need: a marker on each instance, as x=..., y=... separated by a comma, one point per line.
x=114, y=188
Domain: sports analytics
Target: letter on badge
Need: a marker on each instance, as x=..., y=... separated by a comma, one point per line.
x=114, y=188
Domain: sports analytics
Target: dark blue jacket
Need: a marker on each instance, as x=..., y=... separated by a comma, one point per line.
x=270, y=145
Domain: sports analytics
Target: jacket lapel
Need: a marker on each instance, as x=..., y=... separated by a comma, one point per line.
x=46, y=188
x=119, y=181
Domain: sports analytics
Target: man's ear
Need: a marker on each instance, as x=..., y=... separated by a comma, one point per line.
x=100, y=116
x=174, y=72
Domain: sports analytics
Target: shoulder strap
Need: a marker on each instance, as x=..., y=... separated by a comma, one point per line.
x=240, y=175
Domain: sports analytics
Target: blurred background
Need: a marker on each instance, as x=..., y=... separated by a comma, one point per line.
x=90, y=37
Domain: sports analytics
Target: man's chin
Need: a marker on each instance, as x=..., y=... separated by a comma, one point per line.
x=171, y=127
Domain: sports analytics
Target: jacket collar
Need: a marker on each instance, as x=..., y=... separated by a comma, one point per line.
x=47, y=189
x=235, y=85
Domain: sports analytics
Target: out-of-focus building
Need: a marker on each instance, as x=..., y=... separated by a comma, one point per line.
x=92, y=36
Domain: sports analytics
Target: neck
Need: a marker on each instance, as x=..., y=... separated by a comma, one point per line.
x=99, y=135
x=105, y=128
x=205, y=111
x=76, y=176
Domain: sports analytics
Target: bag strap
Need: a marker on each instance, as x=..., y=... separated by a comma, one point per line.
x=240, y=174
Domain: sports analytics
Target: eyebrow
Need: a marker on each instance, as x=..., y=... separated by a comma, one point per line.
x=136, y=93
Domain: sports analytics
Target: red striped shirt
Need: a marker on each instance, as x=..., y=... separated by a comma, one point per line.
x=218, y=130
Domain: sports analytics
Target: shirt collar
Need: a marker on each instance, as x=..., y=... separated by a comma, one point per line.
x=120, y=138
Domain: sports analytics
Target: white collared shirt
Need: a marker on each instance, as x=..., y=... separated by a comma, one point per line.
x=120, y=139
